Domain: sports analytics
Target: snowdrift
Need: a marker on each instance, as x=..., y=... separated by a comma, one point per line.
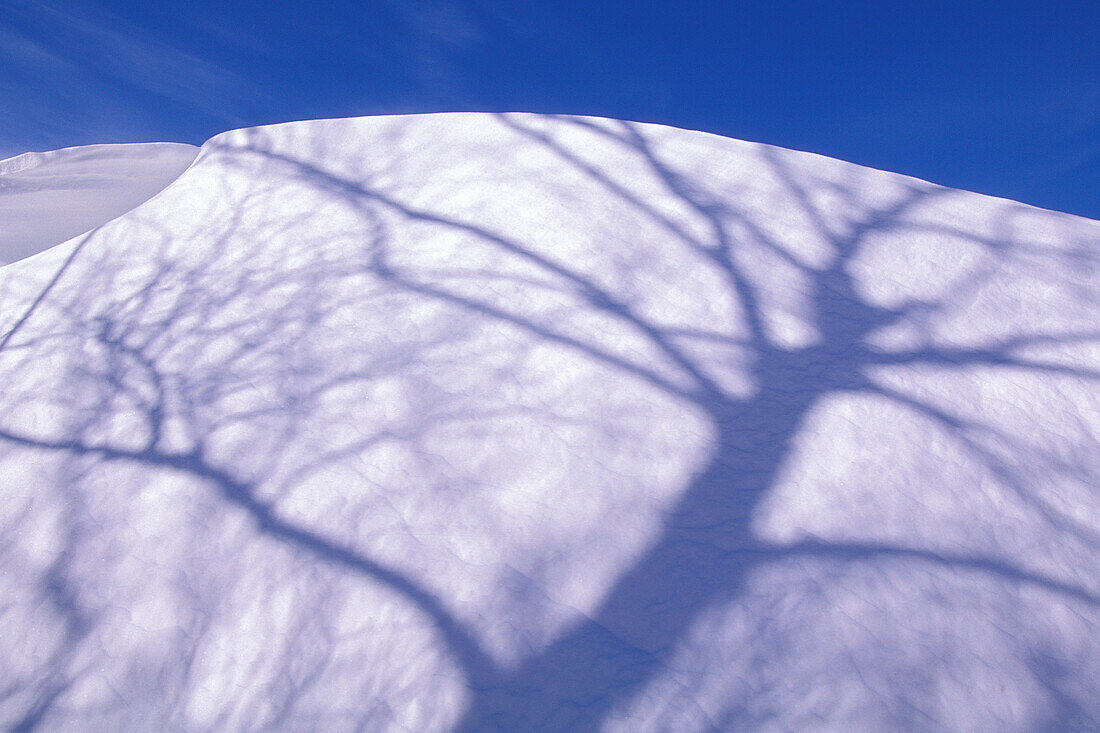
x=48, y=198
x=472, y=422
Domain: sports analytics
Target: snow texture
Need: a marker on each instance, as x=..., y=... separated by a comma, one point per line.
x=472, y=422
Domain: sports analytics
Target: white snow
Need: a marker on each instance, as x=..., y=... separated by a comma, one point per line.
x=469, y=422
x=47, y=198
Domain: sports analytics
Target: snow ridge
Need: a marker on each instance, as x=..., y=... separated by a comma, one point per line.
x=47, y=198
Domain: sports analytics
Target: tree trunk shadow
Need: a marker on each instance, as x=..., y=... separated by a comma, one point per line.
x=702, y=557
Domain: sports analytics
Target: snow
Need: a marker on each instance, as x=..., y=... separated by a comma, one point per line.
x=48, y=198
x=474, y=422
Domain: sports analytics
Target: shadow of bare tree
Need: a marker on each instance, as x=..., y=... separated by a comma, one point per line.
x=623, y=427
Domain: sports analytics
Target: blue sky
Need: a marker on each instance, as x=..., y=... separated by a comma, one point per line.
x=1001, y=98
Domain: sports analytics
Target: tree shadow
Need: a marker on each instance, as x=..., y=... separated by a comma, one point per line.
x=204, y=348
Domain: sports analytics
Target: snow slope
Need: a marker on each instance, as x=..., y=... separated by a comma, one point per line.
x=47, y=198
x=473, y=422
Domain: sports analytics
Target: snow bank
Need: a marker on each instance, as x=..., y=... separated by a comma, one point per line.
x=467, y=422
x=48, y=198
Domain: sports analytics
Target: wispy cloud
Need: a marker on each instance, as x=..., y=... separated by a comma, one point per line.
x=62, y=64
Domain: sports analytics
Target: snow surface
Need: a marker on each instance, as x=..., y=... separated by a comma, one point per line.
x=473, y=422
x=48, y=198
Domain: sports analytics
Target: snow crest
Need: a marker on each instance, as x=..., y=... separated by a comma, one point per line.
x=48, y=198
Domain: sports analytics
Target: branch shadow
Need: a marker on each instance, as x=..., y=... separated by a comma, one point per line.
x=709, y=544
